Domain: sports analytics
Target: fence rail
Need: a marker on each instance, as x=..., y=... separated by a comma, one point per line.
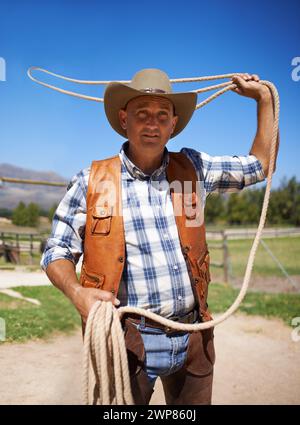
x=13, y=243
x=250, y=233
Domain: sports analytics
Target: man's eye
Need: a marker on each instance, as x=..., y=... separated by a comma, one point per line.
x=163, y=115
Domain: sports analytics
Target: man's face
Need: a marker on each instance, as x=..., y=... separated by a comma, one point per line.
x=149, y=122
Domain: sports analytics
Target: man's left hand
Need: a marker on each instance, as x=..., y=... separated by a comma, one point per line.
x=249, y=86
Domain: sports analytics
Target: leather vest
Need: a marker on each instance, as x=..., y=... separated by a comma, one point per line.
x=104, y=244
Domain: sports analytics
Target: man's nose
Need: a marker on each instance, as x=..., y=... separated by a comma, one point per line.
x=152, y=120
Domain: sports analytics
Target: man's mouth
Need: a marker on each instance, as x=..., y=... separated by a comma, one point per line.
x=152, y=136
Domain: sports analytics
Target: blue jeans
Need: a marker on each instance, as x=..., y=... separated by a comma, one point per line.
x=164, y=354
x=183, y=361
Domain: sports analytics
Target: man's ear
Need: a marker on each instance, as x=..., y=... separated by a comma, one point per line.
x=175, y=119
x=123, y=118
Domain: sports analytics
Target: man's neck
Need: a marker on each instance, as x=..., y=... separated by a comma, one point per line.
x=147, y=163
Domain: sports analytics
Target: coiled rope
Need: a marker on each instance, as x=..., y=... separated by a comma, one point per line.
x=104, y=344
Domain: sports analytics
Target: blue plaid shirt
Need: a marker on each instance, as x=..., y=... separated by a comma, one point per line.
x=155, y=275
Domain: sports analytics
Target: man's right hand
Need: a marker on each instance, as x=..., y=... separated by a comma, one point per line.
x=62, y=274
x=85, y=298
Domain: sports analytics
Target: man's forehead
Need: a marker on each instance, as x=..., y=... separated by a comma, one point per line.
x=144, y=101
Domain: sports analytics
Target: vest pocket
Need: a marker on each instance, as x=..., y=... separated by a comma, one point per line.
x=91, y=279
x=101, y=220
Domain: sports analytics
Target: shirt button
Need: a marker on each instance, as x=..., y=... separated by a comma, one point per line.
x=179, y=297
x=166, y=236
x=175, y=267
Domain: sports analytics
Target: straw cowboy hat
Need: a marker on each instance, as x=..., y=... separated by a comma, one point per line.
x=147, y=82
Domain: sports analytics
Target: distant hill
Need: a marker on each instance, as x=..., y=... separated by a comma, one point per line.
x=11, y=193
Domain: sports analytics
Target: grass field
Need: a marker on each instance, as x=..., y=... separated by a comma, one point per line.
x=287, y=251
x=26, y=321
x=282, y=306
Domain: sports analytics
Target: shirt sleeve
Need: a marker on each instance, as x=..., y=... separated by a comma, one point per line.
x=225, y=173
x=68, y=225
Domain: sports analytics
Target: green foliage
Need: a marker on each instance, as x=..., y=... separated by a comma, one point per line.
x=4, y=212
x=244, y=208
x=33, y=212
x=26, y=215
x=284, y=204
x=215, y=208
x=19, y=217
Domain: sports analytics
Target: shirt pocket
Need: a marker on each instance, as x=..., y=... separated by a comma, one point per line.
x=101, y=220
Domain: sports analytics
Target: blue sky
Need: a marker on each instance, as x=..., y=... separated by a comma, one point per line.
x=96, y=40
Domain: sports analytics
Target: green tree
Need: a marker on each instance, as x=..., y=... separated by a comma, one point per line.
x=33, y=214
x=214, y=208
x=26, y=215
x=19, y=217
x=284, y=207
x=237, y=209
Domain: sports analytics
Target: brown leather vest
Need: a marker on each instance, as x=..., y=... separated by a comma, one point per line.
x=104, y=245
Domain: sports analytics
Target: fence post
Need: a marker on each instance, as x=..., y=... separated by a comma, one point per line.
x=17, y=240
x=225, y=256
x=31, y=249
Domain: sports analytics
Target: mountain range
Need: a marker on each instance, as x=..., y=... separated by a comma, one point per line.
x=12, y=193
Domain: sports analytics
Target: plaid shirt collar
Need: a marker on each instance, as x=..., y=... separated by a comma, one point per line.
x=133, y=172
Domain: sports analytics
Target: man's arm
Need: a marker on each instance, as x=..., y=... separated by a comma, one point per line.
x=249, y=86
x=62, y=274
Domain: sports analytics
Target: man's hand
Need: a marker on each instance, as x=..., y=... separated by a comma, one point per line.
x=62, y=274
x=249, y=86
x=85, y=298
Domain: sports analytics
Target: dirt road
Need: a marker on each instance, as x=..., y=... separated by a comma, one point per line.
x=257, y=363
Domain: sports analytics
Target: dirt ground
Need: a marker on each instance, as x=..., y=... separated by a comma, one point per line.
x=257, y=363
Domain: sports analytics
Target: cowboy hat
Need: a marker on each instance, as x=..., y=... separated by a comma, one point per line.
x=147, y=82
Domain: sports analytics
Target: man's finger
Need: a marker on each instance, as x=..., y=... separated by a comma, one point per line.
x=108, y=296
x=255, y=78
x=239, y=81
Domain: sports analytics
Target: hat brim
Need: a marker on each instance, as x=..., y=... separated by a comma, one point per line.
x=117, y=95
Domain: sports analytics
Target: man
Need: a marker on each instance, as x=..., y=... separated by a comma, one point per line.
x=146, y=255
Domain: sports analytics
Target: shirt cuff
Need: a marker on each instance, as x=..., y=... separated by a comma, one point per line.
x=56, y=254
x=252, y=170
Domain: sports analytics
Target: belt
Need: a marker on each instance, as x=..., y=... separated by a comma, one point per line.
x=191, y=317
